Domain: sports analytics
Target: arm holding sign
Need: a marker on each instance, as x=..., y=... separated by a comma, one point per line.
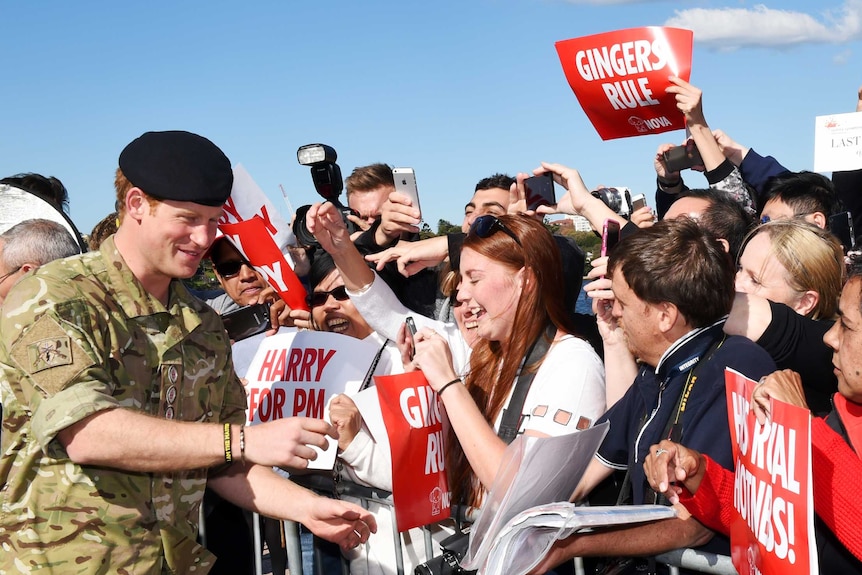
x=484, y=449
x=720, y=172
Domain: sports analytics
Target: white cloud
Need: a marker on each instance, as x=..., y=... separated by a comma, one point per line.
x=842, y=57
x=730, y=28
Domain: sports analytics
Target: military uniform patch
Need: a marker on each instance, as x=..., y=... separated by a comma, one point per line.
x=49, y=355
x=46, y=353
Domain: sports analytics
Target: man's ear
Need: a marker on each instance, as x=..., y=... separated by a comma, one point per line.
x=28, y=266
x=668, y=315
x=724, y=243
x=819, y=219
x=136, y=203
x=807, y=302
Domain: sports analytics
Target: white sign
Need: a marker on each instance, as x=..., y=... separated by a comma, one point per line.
x=838, y=142
x=297, y=374
x=247, y=200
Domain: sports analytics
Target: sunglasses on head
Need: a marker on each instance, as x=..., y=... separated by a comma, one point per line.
x=230, y=268
x=485, y=226
x=318, y=298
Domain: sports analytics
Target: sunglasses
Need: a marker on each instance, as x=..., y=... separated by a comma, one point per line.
x=319, y=298
x=230, y=268
x=485, y=226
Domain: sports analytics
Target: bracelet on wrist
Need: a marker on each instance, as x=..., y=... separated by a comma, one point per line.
x=228, y=456
x=445, y=385
x=242, y=443
x=662, y=183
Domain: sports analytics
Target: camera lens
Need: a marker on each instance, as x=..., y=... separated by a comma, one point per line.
x=300, y=230
x=610, y=197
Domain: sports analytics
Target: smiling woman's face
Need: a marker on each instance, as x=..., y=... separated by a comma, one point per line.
x=338, y=316
x=490, y=292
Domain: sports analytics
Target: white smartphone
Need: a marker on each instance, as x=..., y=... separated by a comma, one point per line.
x=405, y=183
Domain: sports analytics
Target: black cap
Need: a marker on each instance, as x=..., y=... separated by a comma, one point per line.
x=179, y=166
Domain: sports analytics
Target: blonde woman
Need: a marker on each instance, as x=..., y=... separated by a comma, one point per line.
x=788, y=283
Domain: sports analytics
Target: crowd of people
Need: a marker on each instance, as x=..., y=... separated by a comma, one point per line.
x=123, y=416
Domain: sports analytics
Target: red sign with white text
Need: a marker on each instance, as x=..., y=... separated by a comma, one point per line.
x=773, y=526
x=620, y=78
x=411, y=412
x=254, y=241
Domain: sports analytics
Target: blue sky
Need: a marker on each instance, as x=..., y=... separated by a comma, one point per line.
x=457, y=90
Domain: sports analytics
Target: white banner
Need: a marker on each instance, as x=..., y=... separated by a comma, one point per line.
x=297, y=374
x=247, y=200
x=838, y=142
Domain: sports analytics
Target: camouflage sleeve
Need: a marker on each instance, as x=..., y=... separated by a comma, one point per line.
x=54, y=371
x=235, y=403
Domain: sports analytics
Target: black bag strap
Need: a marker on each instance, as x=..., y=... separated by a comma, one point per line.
x=366, y=381
x=510, y=423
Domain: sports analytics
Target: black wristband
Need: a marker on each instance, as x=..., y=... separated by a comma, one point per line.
x=454, y=381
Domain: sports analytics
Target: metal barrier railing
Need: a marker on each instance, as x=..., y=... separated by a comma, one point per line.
x=700, y=561
x=690, y=559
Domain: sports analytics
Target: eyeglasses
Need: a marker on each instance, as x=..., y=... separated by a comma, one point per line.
x=319, y=297
x=485, y=226
x=13, y=272
x=230, y=268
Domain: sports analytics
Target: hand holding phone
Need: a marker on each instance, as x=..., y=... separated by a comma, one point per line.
x=610, y=236
x=539, y=191
x=247, y=321
x=682, y=157
x=405, y=183
x=411, y=331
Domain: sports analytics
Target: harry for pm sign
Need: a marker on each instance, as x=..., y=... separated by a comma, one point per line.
x=620, y=78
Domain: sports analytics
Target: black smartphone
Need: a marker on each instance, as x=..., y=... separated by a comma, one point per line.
x=841, y=226
x=411, y=331
x=682, y=157
x=610, y=236
x=247, y=321
x=539, y=191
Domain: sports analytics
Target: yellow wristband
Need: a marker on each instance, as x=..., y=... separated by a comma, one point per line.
x=228, y=457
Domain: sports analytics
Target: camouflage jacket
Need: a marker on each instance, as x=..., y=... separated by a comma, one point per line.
x=79, y=336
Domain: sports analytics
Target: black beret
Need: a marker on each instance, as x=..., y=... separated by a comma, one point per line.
x=179, y=166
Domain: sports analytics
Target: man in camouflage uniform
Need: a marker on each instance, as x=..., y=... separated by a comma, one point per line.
x=117, y=385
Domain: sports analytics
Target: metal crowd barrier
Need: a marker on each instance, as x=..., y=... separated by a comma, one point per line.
x=690, y=559
x=700, y=561
x=325, y=485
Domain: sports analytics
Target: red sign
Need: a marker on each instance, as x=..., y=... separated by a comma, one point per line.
x=620, y=78
x=252, y=238
x=411, y=412
x=773, y=526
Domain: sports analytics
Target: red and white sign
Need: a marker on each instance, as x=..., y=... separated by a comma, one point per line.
x=255, y=243
x=411, y=412
x=297, y=374
x=620, y=78
x=253, y=225
x=773, y=528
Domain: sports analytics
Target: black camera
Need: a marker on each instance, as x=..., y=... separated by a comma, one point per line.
x=326, y=176
x=449, y=562
x=682, y=157
x=617, y=199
